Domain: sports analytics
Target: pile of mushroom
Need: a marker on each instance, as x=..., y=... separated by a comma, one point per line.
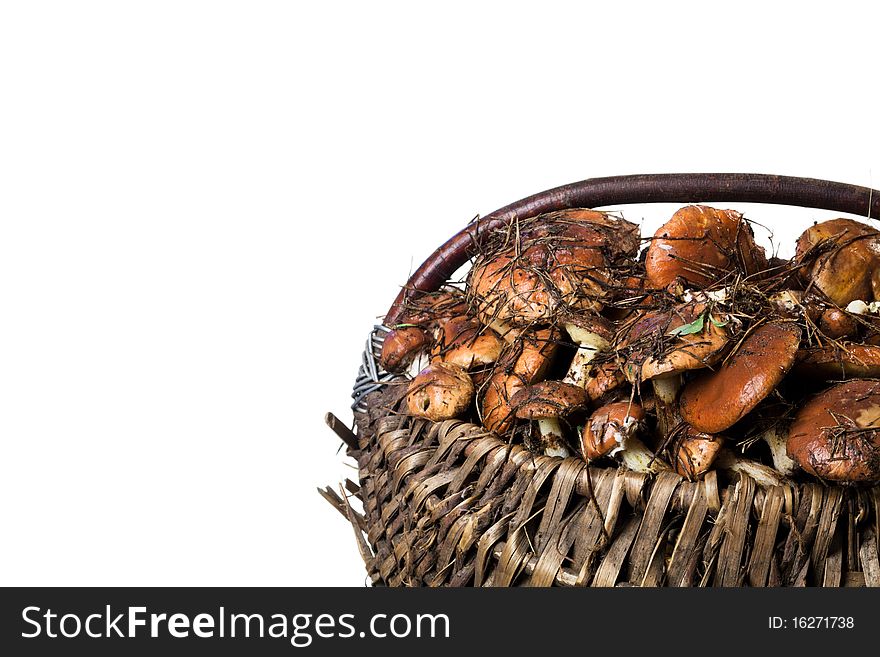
x=689, y=350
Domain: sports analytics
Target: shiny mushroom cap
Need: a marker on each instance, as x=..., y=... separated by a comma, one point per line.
x=836, y=435
x=463, y=341
x=844, y=361
x=840, y=257
x=717, y=400
x=662, y=343
x=696, y=452
x=441, y=391
x=401, y=346
x=547, y=399
x=582, y=228
x=609, y=427
x=836, y=324
x=701, y=245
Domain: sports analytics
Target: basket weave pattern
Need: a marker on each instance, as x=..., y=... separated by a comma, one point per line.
x=450, y=504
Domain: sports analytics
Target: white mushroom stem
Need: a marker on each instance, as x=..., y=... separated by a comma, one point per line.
x=666, y=387
x=765, y=476
x=551, y=437
x=420, y=362
x=589, y=343
x=775, y=440
x=666, y=390
x=580, y=365
x=635, y=455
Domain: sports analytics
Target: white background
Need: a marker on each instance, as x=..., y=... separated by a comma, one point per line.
x=205, y=205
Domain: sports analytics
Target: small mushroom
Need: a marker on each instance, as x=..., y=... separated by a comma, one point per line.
x=547, y=402
x=701, y=245
x=429, y=308
x=839, y=257
x=591, y=333
x=464, y=342
x=836, y=434
x=401, y=347
x=441, y=391
x=837, y=324
x=410, y=339
x=787, y=303
x=510, y=290
x=695, y=452
x=612, y=430
x=497, y=415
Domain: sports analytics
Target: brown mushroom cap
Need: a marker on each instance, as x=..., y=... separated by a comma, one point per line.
x=836, y=323
x=496, y=412
x=608, y=428
x=836, y=435
x=534, y=351
x=841, y=258
x=463, y=341
x=510, y=289
x=846, y=361
x=654, y=352
x=441, y=391
x=717, y=400
x=582, y=228
x=401, y=346
x=602, y=379
x=696, y=453
x=701, y=244
x=560, y=260
x=547, y=399
x=429, y=308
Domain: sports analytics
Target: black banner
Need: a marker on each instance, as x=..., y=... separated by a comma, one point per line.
x=114, y=621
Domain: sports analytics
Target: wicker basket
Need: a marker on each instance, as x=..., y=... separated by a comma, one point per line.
x=451, y=504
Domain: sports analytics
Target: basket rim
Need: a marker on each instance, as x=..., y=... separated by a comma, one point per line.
x=640, y=188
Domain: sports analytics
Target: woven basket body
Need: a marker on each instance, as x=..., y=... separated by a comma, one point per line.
x=451, y=504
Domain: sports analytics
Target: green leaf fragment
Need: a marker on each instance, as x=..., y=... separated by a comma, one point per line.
x=695, y=326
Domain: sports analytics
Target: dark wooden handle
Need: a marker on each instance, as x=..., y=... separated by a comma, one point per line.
x=644, y=188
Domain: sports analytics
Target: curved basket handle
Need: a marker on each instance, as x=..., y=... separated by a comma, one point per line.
x=644, y=188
